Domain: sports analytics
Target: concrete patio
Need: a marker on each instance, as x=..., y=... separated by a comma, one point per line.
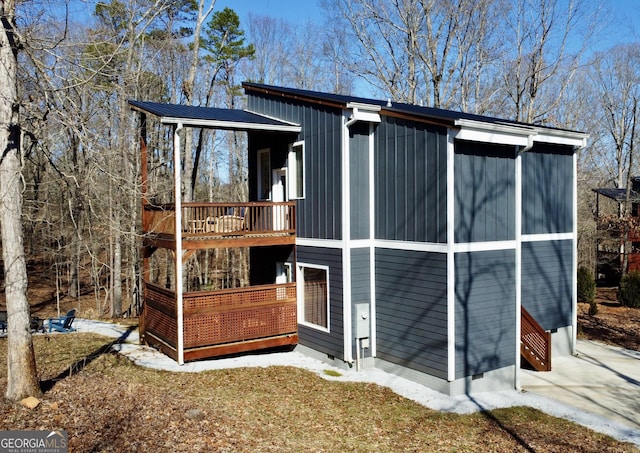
x=600, y=379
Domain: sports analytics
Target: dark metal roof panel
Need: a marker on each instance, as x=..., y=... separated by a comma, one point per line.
x=618, y=195
x=448, y=116
x=212, y=117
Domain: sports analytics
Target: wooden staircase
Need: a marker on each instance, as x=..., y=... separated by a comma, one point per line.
x=535, y=343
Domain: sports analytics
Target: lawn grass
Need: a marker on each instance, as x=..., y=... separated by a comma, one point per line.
x=109, y=404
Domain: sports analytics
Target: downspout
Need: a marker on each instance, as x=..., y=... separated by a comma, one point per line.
x=346, y=250
x=451, y=267
x=372, y=248
x=574, y=305
x=178, y=235
x=518, y=257
x=352, y=119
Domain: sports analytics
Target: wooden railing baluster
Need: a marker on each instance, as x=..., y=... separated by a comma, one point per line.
x=535, y=343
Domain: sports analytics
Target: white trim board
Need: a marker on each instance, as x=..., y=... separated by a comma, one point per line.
x=548, y=237
x=463, y=247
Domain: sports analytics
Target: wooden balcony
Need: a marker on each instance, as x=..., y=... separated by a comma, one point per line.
x=614, y=227
x=221, y=322
x=209, y=225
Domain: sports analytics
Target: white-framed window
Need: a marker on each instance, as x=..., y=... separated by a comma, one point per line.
x=313, y=296
x=264, y=174
x=296, y=170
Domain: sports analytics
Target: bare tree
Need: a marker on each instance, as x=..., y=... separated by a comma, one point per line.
x=418, y=51
x=546, y=40
x=615, y=77
x=22, y=379
x=272, y=40
x=204, y=11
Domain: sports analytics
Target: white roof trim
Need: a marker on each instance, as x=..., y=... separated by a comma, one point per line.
x=272, y=117
x=363, y=112
x=560, y=137
x=230, y=125
x=477, y=131
x=363, y=106
x=514, y=134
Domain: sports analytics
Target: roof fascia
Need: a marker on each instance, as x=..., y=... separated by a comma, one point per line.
x=560, y=137
x=229, y=125
x=504, y=134
x=225, y=125
x=417, y=118
x=297, y=97
x=518, y=135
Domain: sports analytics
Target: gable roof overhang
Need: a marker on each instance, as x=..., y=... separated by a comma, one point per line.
x=213, y=118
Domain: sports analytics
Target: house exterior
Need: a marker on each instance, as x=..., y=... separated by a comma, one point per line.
x=423, y=233
x=429, y=243
x=611, y=204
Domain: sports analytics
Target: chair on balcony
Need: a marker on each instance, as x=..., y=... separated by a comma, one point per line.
x=227, y=223
x=63, y=323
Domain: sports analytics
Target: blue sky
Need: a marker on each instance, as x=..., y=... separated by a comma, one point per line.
x=625, y=14
x=291, y=10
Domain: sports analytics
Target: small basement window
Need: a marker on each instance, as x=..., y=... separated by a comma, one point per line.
x=313, y=296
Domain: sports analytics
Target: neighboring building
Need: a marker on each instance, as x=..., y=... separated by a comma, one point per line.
x=420, y=234
x=610, y=247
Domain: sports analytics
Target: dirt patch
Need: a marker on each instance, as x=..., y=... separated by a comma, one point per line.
x=613, y=324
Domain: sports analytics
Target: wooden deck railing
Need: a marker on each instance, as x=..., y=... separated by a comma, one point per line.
x=535, y=343
x=215, y=322
x=160, y=317
x=200, y=219
x=615, y=226
x=241, y=314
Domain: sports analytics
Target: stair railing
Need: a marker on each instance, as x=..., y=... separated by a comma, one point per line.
x=535, y=343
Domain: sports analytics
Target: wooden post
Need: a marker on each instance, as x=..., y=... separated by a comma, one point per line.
x=145, y=222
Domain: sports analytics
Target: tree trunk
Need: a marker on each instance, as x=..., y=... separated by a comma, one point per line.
x=22, y=378
x=627, y=205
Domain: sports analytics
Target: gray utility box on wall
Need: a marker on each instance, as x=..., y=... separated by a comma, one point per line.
x=362, y=320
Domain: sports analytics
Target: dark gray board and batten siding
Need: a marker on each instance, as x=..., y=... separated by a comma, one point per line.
x=547, y=190
x=331, y=342
x=360, y=286
x=359, y=180
x=484, y=192
x=411, y=309
x=547, y=283
x=485, y=311
x=410, y=181
x=319, y=214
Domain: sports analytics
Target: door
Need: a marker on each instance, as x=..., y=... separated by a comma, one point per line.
x=279, y=194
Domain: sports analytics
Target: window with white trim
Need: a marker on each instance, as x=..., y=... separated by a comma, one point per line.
x=296, y=170
x=313, y=296
x=264, y=174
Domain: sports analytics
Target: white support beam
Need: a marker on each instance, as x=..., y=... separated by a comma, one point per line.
x=177, y=166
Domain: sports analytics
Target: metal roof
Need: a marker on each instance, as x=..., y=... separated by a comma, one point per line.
x=446, y=116
x=618, y=195
x=215, y=118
